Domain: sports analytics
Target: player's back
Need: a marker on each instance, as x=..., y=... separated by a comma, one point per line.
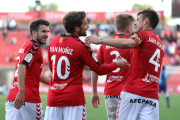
x=117, y=78
x=145, y=65
x=66, y=64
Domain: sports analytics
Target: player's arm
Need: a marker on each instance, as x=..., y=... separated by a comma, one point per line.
x=118, y=43
x=105, y=69
x=19, y=101
x=95, y=100
x=44, y=79
x=95, y=96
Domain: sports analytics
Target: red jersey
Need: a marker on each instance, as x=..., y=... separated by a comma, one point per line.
x=145, y=65
x=29, y=54
x=117, y=78
x=67, y=55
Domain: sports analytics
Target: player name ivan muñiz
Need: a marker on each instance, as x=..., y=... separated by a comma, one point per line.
x=61, y=50
x=143, y=101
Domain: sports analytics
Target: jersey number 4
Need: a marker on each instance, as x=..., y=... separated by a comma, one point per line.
x=156, y=62
x=58, y=68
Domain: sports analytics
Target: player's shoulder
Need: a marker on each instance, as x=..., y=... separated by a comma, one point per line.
x=137, y=31
x=30, y=43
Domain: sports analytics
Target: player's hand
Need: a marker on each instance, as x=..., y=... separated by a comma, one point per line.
x=19, y=100
x=122, y=63
x=92, y=39
x=86, y=68
x=94, y=100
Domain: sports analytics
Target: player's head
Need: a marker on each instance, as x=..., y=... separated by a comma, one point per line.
x=146, y=18
x=163, y=67
x=124, y=23
x=39, y=30
x=76, y=23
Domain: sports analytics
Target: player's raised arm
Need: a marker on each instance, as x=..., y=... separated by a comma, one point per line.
x=118, y=43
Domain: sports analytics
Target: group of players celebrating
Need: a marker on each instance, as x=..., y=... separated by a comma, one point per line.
x=131, y=60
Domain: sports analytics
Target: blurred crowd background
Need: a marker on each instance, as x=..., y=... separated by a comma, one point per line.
x=15, y=32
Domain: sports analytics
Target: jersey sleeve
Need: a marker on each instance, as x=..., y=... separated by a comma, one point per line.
x=30, y=54
x=49, y=58
x=137, y=37
x=100, y=55
x=91, y=61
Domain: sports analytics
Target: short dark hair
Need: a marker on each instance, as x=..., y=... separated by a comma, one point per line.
x=73, y=19
x=151, y=15
x=36, y=23
x=123, y=21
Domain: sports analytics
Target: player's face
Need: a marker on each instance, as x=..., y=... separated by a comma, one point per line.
x=139, y=23
x=42, y=34
x=84, y=27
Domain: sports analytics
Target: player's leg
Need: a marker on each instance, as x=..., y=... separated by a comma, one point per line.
x=11, y=112
x=128, y=106
x=54, y=113
x=32, y=111
x=159, y=91
x=167, y=98
x=150, y=110
x=75, y=113
x=111, y=103
x=156, y=111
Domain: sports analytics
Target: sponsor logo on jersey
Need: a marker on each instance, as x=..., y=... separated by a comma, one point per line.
x=15, y=84
x=58, y=86
x=114, y=78
x=28, y=57
x=143, y=101
x=150, y=78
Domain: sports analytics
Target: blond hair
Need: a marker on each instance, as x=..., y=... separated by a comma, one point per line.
x=123, y=21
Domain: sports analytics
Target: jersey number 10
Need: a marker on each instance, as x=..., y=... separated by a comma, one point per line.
x=58, y=68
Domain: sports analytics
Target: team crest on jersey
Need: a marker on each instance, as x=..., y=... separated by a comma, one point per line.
x=28, y=57
x=94, y=57
x=60, y=40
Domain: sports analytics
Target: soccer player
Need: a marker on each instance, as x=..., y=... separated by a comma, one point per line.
x=117, y=78
x=162, y=86
x=23, y=101
x=67, y=56
x=139, y=96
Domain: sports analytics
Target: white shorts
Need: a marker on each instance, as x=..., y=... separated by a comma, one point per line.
x=29, y=111
x=66, y=113
x=111, y=103
x=135, y=107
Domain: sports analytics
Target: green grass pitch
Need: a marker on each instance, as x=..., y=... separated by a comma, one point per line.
x=100, y=113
